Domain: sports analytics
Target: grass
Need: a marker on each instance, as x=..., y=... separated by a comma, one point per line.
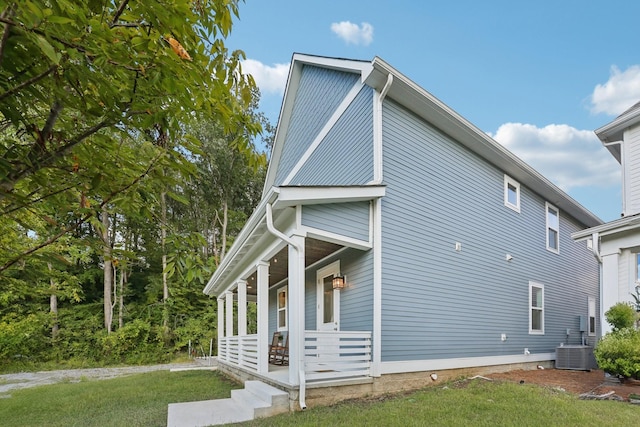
x=476, y=404
x=136, y=400
x=141, y=400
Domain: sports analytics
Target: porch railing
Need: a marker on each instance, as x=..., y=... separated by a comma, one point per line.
x=333, y=355
x=329, y=355
x=240, y=350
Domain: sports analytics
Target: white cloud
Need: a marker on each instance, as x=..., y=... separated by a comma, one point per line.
x=620, y=92
x=270, y=79
x=352, y=33
x=569, y=157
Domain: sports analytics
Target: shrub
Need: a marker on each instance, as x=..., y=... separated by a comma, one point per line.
x=618, y=353
x=137, y=342
x=24, y=338
x=621, y=316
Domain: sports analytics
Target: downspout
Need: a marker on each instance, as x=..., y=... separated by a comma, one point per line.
x=595, y=248
x=280, y=235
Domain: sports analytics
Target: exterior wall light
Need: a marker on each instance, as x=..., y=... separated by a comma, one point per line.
x=338, y=282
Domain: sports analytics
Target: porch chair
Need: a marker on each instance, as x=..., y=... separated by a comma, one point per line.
x=282, y=354
x=275, y=347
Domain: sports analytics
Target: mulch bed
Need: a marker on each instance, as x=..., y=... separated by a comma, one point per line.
x=576, y=382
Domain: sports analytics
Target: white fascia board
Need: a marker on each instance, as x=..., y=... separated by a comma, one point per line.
x=424, y=104
x=291, y=89
x=293, y=196
x=462, y=362
x=249, y=228
x=613, y=227
x=338, y=239
x=613, y=131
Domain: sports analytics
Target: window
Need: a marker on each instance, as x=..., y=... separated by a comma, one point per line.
x=592, y=316
x=282, y=308
x=553, y=228
x=536, y=308
x=511, y=194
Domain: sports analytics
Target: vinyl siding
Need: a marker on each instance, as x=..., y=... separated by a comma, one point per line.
x=632, y=168
x=347, y=219
x=440, y=303
x=319, y=94
x=345, y=155
x=356, y=300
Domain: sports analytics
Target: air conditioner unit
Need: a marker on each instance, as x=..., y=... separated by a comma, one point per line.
x=576, y=357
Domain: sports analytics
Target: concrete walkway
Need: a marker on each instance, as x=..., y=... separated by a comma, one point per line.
x=9, y=382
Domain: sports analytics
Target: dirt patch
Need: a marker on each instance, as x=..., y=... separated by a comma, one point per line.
x=575, y=382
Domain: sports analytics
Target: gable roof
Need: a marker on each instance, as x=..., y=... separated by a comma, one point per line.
x=404, y=91
x=613, y=131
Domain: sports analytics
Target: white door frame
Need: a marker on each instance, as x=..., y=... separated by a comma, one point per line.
x=332, y=270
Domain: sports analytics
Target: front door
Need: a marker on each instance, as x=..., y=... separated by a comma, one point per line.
x=328, y=314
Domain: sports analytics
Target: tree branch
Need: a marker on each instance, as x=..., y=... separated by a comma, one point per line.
x=56, y=108
x=26, y=83
x=37, y=164
x=119, y=12
x=7, y=29
x=83, y=219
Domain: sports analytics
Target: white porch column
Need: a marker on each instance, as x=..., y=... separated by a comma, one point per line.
x=242, y=308
x=609, y=292
x=220, y=323
x=295, y=309
x=229, y=307
x=262, y=283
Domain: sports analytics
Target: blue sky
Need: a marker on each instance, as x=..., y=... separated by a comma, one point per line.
x=539, y=76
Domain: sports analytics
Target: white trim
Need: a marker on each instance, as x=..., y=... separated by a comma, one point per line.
x=591, y=312
x=280, y=290
x=332, y=269
x=508, y=181
x=548, y=206
x=462, y=362
x=299, y=195
x=531, y=307
x=346, y=102
x=338, y=239
x=377, y=289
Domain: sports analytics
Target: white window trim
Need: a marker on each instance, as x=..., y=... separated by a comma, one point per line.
x=285, y=309
x=510, y=181
x=591, y=312
x=531, y=308
x=548, y=206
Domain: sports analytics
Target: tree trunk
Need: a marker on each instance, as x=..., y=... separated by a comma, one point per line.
x=225, y=221
x=107, y=269
x=123, y=273
x=53, y=305
x=163, y=238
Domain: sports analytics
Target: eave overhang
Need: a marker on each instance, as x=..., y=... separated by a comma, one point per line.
x=281, y=198
x=621, y=225
x=614, y=131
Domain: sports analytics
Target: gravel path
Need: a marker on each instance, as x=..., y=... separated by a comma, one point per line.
x=9, y=382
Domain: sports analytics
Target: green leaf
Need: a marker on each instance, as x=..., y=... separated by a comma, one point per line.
x=59, y=20
x=47, y=49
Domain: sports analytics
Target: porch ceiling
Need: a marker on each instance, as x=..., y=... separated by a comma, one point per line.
x=314, y=251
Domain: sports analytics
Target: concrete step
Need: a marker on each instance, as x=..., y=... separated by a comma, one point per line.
x=207, y=413
x=273, y=396
x=256, y=400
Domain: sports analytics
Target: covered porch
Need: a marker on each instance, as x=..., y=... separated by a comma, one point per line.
x=278, y=278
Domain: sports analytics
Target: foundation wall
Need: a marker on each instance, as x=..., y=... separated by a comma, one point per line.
x=331, y=393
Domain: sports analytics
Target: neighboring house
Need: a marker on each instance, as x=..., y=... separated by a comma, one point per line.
x=616, y=244
x=452, y=252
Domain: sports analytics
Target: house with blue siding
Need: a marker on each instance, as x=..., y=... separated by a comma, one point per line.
x=397, y=244
x=616, y=244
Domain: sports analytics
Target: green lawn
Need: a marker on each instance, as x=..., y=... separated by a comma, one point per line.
x=141, y=400
x=136, y=400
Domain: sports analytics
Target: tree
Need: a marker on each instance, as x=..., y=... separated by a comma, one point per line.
x=78, y=77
